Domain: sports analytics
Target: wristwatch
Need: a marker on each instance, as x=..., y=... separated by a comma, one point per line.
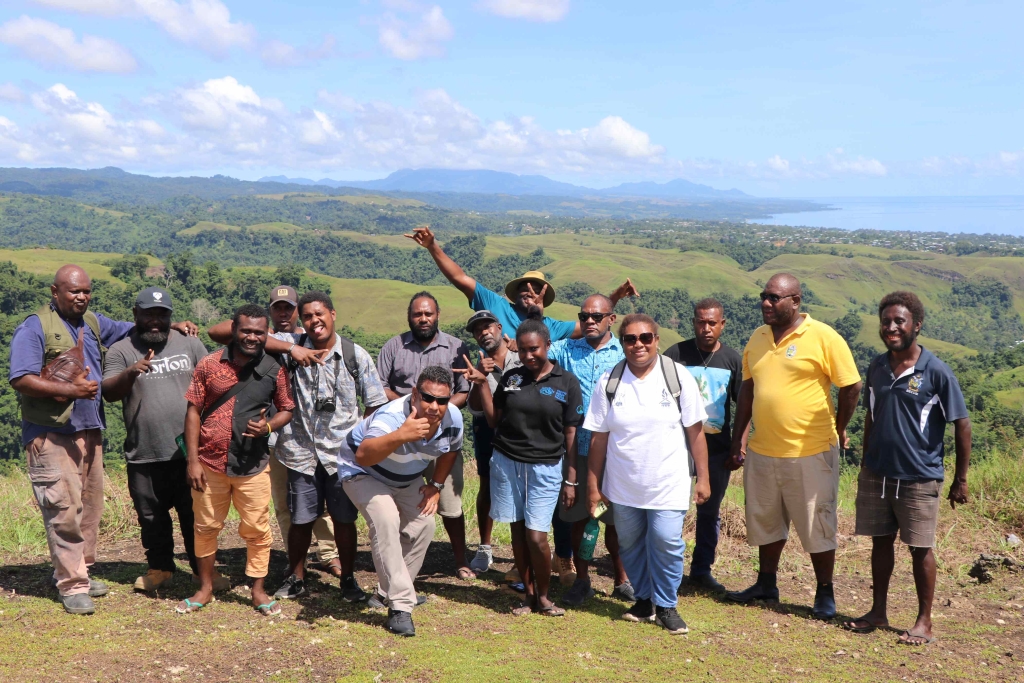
x=439, y=487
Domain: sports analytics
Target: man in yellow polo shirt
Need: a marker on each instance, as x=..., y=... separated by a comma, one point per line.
x=792, y=463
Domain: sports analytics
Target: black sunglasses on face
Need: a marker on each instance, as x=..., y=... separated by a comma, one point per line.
x=645, y=338
x=439, y=400
x=774, y=298
x=598, y=317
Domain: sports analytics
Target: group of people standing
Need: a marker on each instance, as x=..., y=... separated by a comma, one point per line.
x=571, y=423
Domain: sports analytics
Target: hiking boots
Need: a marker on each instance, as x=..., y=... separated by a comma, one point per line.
x=400, y=623
x=351, y=591
x=578, y=594
x=668, y=618
x=97, y=589
x=292, y=588
x=79, y=603
x=642, y=610
x=483, y=560
x=824, y=602
x=566, y=571
x=153, y=579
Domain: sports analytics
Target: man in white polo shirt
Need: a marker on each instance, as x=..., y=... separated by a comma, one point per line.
x=382, y=465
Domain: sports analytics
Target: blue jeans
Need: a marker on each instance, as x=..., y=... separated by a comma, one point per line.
x=708, y=521
x=651, y=547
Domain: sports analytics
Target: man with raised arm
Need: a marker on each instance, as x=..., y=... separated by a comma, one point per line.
x=792, y=461
x=528, y=294
x=62, y=424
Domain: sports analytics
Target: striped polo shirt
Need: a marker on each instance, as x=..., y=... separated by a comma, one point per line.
x=405, y=466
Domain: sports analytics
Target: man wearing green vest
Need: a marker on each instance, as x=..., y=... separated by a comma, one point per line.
x=61, y=427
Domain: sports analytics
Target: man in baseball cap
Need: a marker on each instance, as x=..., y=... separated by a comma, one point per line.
x=149, y=372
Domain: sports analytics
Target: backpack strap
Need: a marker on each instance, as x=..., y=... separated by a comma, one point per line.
x=348, y=354
x=671, y=374
x=614, y=379
x=93, y=322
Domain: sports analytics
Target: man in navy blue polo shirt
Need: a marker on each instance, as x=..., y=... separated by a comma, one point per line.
x=911, y=396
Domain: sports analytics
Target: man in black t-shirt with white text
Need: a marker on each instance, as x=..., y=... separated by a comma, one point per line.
x=718, y=370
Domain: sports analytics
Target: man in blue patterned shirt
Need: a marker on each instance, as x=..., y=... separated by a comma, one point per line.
x=588, y=358
x=327, y=408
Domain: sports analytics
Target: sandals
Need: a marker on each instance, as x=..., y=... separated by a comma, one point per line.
x=187, y=606
x=465, y=573
x=552, y=611
x=523, y=610
x=271, y=609
x=852, y=626
x=905, y=639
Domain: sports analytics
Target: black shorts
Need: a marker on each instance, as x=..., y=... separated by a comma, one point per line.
x=309, y=494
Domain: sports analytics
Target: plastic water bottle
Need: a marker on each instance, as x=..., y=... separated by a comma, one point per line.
x=589, y=542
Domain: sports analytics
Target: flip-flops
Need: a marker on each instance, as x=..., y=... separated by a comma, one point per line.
x=852, y=628
x=271, y=609
x=523, y=610
x=551, y=611
x=905, y=637
x=466, y=574
x=187, y=606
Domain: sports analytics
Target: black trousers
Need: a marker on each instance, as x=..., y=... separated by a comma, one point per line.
x=156, y=488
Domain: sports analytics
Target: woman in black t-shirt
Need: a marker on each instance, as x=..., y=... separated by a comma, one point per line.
x=534, y=411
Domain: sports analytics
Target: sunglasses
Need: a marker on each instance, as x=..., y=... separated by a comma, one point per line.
x=439, y=400
x=598, y=317
x=774, y=298
x=646, y=338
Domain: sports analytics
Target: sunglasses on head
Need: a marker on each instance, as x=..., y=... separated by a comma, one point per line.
x=439, y=400
x=598, y=317
x=646, y=338
x=774, y=298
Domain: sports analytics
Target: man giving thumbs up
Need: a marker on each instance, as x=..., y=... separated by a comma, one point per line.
x=383, y=459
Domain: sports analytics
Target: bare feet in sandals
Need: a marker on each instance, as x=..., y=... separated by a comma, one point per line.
x=922, y=637
x=866, y=624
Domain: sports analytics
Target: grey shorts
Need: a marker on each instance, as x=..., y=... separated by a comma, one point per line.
x=580, y=509
x=450, y=504
x=309, y=494
x=909, y=507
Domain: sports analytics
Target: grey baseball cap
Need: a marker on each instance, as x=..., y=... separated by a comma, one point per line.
x=154, y=297
x=480, y=316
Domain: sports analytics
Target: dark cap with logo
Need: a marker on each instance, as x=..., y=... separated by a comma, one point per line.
x=284, y=293
x=154, y=297
x=480, y=316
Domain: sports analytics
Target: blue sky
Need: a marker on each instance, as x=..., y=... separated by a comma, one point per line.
x=775, y=98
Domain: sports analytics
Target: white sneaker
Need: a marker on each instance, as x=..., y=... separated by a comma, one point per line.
x=483, y=560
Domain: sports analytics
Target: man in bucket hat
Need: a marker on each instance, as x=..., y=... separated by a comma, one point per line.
x=528, y=295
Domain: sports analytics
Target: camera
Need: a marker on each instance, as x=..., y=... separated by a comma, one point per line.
x=328, y=404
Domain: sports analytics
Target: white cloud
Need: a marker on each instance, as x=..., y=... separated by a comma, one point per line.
x=278, y=54
x=422, y=37
x=55, y=46
x=204, y=24
x=11, y=93
x=531, y=10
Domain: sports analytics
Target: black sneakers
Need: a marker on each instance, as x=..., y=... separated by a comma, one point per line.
x=400, y=623
x=350, y=590
x=293, y=587
x=642, y=610
x=578, y=594
x=668, y=618
x=704, y=582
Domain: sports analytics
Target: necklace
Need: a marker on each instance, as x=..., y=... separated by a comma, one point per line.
x=708, y=360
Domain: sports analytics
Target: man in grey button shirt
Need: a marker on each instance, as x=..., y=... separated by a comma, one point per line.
x=399, y=364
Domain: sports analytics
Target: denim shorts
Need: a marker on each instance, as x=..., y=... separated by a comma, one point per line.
x=308, y=494
x=524, y=491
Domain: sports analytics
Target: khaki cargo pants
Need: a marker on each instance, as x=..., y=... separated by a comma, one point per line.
x=66, y=471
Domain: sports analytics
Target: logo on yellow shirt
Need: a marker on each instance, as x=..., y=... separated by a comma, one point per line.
x=791, y=351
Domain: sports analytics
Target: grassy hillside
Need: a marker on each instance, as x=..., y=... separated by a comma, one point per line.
x=45, y=262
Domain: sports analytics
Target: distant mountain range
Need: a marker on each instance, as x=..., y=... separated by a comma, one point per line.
x=497, y=182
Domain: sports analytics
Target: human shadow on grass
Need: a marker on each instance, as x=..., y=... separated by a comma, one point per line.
x=36, y=580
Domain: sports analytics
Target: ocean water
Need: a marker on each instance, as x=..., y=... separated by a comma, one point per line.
x=979, y=215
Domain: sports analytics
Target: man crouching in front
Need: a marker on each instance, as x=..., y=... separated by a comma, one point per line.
x=383, y=460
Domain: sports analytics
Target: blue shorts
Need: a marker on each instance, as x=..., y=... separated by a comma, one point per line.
x=523, y=491
x=309, y=494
